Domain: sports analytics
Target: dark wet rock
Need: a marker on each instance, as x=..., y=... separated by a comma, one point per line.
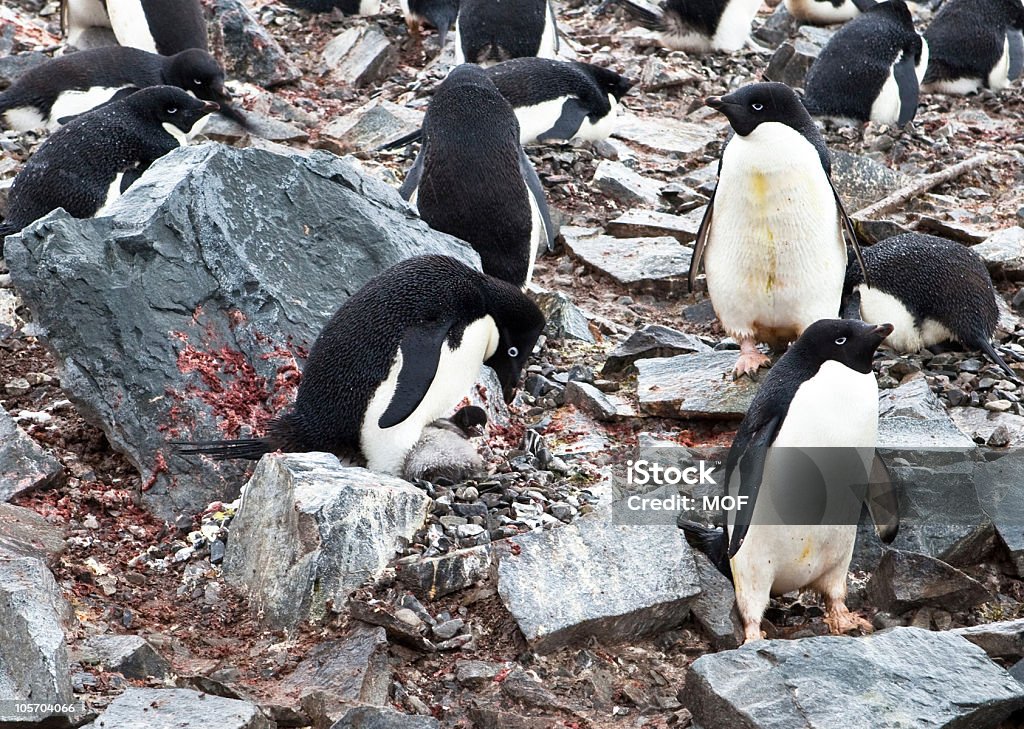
x=248, y=51
x=655, y=266
x=25, y=533
x=906, y=581
x=872, y=231
x=1003, y=253
x=436, y=577
x=177, y=317
x=1004, y=639
x=375, y=717
x=563, y=319
x=639, y=223
x=371, y=125
x=714, y=608
x=146, y=708
x=861, y=180
x=361, y=55
x=693, y=386
x=625, y=186
x=778, y=28
x=652, y=340
x=1001, y=491
x=24, y=465
x=129, y=655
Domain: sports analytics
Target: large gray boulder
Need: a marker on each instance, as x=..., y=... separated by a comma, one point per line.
x=900, y=678
x=186, y=313
x=145, y=708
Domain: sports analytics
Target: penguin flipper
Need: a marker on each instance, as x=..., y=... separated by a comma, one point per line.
x=749, y=452
x=536, y=190
x=1015, y=39
x=412, y=180
x=403, y=141
x=905, y=74
x=700, y=244
x=421, y=353
x=710, y=541
x=883, y=501
x=849, y=234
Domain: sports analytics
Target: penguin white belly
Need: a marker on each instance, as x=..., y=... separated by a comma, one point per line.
x=922, y=65
x=536, y=119
x=369, y=7
x=82, y=15
x=775, y=259
x=878, y=307
x=886, y=107
x=24, y=118
x=460, y=56
x=128, y=19
x=999, y=76
x=113, y=193
x=603, y=127
x=549, y=38
x=959, y=87
x=733, y=29
x=385, y=449
x=73, y=103
x=538, y=235
x=822, y=13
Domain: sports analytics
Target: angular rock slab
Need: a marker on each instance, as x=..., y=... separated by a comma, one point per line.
x=309, y=531
x=656, y=266
x=372, y=717
x=1004, y=639
x=626, y=186
x=24, y=465
x=186, y=313
x=436, y=577
x=896, y=679
x=373, y=124
x=1003, y=253
x=130, y=655
x=693, y=386
x=144, y=708
x=249, y=51
x=650, y=341
x=905, y=581
x=359, y=56
x=596, y=578
x=25, y=533
x=665, y=135
x=638, y=223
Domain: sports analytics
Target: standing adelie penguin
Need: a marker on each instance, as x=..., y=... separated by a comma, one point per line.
x=348, y=7
x=871, y=69
x=439, y=13
x=158, y=26
x=473, y=180
x=970, y=45
x=74, y=84
x=489, y=31
x=91, y=160
x=399, y=354
x=827, y=12
x=933, y=290
x=819, y=401
x=773, y=239
x=699, y=26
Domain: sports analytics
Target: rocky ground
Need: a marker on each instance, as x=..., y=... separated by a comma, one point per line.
x=509, y=602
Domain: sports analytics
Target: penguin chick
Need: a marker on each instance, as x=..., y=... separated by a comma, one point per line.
x=397, y=355
x=819, y=397
x=870, y=70
x=74, y=84
x=933, y=290
x=347, y=7
x=970, y=45
x=157, y=26
x=441, y=14
x=472, y=179
x=487, y=32
x=827, y=12
x=444, y=450
x=89, y=162
x=698, y=26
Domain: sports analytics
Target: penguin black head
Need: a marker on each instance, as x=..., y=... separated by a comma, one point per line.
x=610, y=81
x=850, y=342
x=169, y=105
x=519, y=324
x=471, y=420
x=755, y=104
x=197, y=71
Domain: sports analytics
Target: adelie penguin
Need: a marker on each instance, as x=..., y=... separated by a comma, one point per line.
x=933, y=290
x=440, y=14
x=472, y=179
x=158, y=26
x=974, y=45
x=554, y=100
x=796, y=528
x=870, y=70
x=699, y=26
x=346, y=7
x=774, y=237
x=71, y=85
x=827, y=12
x=89, y=162
x=487, y=32
x=398, y=355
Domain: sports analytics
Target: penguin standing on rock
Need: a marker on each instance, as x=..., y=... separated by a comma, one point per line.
x=932, y=289
x=819, y=403
x=773, y=239
x=399, y=354
x=439, y=13
x=490, y=31
x=74, y=84
x=827, y=12
x=698, y=26
x=89, y=162
x=158, y=26
x=971, y=46
x=871, y=69
x=472, y=179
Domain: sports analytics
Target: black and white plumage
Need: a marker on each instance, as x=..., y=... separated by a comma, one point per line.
x=821, y=396
x=827, y=12
x=870, y=70
x=774, y=237
x=348, y=7
x=444, y=451
x=398, y=355
x=933, y=290
x=89, y=162
x=973, y=45
x=157, y=26
x=74, y=84
x=441, y=14
x=472, y=179
x=697, y=26
x=554, y=100
x=490, y=31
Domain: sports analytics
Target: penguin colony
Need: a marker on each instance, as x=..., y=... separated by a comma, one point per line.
x=779, y=256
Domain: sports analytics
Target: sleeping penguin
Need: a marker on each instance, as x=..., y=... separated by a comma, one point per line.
x=819, y=403
x=399, y=354
x=773, y=239
x=444, y=452
x=74, y=84
x=472, y=179
x=699, y=26
x=827, y=12
x=554, y=100
x=487, y=32
x=932, y=289
x=870, y=70
x=347, y=7
x=440, y=14
x=971, y=47
x=89, y=162
x=157, y=26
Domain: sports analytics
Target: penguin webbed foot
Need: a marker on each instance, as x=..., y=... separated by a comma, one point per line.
x=840, y=620
x=751, y=359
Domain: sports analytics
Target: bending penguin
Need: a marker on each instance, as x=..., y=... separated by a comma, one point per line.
x=699, y=26
x=870, y=70
x=973, y=44
x=827, y=12
x=472, y=179
x=774, y=237
x=398, y=355
x=487, y=32
x=89, y=162
x=932, y=289
x=157, y=26
x=441, y=14
x=554, y=100
x=820, y=398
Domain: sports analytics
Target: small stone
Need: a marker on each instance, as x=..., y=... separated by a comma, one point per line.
x=626, y=186
x=1000, y=437
x=359, y=56
x=999, y=406
x=17, y=386
x=448, y=629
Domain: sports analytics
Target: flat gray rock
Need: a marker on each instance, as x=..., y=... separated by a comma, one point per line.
x=1003, y=253
x=309, y=531
x=861, y=180
x=250, y=53
x=374, y=717
x=596, y=578
x=665, y=135
x=360, y=55
x=145, y=708
x=25, y=533
x=979, y=425
x=371, y=125
x=912, y=399
x=907, y=581
x=638, y=223
x=563, y=319
x=1004, y=639
x=1001, y=492
x=896, y=679
x=626, y=186
x=129, y=655
x=436, y=577
x=657, y=266
x=607, y=407
x=693, y=386
x=24, y=465
x=649, y=341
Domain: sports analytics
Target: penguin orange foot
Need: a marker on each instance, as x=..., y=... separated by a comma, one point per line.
x=840, y=620
x=751, y=359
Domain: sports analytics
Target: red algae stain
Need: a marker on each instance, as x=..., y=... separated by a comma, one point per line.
x=159, y=466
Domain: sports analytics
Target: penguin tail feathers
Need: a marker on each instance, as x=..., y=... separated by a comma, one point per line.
x=401, y=141
x=644, y=13
x=712, y=542
x=986, y=346
x=250, y=449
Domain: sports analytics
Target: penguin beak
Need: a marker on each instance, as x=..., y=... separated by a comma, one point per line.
x=883, y=330
x=715, y=102
x=210, y=106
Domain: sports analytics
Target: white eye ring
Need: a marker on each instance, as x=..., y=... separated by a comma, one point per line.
x=173, y=110
x=197, y=81
x=513, y=352
x=756, y=106
x=841, y=341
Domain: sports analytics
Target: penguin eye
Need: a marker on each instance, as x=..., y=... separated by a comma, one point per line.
x=172, y=110
x=513, y=352
x=841, y=341
x=757, y=106
x=197, y=81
